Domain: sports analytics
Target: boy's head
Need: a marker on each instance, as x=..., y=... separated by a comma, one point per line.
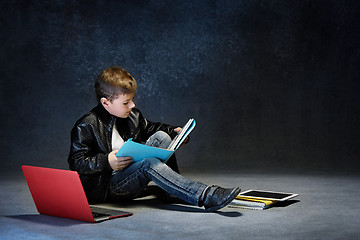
x=115, y=89
x=113, y=82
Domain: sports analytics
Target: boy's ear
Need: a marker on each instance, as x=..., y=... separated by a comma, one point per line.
x=105, y=102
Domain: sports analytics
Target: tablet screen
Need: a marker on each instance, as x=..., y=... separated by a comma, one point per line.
x=279, y=196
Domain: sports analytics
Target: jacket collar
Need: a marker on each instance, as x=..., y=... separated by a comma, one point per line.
x=105, y=117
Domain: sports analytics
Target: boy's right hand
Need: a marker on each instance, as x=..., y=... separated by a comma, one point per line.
x=118, y=163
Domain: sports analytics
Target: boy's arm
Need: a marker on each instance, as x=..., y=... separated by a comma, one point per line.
x=85, y=156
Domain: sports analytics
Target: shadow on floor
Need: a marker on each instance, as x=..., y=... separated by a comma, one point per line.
x=47, y=220
x=159, y=203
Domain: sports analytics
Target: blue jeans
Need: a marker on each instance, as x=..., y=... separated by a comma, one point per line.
x=131, y=181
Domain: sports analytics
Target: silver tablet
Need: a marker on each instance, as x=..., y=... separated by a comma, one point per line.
x=271, y=195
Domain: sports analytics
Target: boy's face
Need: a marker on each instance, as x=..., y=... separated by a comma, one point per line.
x=121, y=106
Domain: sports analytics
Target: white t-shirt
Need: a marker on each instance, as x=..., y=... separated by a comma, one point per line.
x=116, y=140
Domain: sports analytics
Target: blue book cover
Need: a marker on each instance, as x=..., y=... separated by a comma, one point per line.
x=140, y=151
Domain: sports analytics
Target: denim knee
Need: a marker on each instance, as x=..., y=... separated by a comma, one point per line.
x=150, y=162
x=159, y=139
x=162, y=134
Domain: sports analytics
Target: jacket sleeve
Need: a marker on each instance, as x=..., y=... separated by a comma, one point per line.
x=87, y=154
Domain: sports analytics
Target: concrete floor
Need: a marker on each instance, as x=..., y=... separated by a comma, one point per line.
x=327, y=208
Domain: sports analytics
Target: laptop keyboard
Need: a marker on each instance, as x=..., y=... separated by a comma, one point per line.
x=97, y=214
x=103, y=213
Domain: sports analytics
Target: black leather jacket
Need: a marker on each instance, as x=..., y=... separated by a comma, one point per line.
x=91, y=144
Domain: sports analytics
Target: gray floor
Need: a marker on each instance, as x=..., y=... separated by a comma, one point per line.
x=327, y=208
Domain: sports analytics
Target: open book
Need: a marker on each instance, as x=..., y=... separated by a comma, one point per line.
x=140, y=151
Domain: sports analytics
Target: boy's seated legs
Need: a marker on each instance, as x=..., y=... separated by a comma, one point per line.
x=130, y=182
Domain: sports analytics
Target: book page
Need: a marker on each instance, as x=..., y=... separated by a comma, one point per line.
x=185, y=131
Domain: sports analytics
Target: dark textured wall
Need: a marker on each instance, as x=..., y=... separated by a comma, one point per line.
x=272, y=84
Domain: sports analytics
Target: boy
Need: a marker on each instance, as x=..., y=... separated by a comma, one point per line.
x=99, y=134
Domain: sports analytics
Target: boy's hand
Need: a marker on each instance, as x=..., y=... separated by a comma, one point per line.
x=178, y=130
x=118, y=163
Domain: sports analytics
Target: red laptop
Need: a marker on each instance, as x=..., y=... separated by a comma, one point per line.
x=60, y=193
